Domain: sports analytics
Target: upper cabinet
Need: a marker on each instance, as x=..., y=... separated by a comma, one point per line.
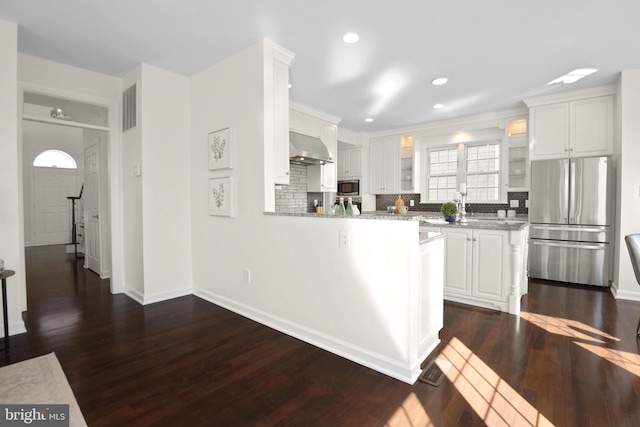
x=517, y=145
x=350, y=163
x=384, y=165
x=392, y=165
x=578, y=127
x=407, y=165
x=280, y=121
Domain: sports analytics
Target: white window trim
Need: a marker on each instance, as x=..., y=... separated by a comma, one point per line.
x=462, y=175
x=427, y=168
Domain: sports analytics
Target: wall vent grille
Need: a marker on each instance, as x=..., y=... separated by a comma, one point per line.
x=129, y=108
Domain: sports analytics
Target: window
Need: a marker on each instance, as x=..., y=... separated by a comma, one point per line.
x=477, y=165
x=483, y=172
x=55, y=159
x=442, y=174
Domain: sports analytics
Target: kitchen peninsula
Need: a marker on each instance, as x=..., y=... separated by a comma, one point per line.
x=370, y=287
x=486, y=258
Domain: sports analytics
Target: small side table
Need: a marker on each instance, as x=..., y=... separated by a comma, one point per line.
x=4, y=275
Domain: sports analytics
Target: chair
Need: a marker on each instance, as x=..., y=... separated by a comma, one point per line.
x=633, y=244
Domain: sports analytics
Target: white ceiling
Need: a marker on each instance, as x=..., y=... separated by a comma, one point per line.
x=494, y=52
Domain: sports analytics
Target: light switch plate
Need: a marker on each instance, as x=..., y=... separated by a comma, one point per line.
x=412, y=202
x=514, y=203
x=526, y=203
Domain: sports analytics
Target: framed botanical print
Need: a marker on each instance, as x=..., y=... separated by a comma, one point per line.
x=221, y=196
x=220, y=149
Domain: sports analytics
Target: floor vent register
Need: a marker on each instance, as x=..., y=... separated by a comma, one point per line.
x=433, y=373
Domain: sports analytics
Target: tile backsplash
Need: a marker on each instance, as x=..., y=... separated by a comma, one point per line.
x=382, y=201
x=293, y=197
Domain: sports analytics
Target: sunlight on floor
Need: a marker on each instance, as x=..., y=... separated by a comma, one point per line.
x=623, y=359
x=489, y=395
x=410, y=413
x=567, y=327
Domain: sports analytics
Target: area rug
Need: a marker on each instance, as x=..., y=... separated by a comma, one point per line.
x=40, y=380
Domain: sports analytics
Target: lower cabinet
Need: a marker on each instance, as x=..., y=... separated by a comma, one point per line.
x=482, y=266
x=476, y=264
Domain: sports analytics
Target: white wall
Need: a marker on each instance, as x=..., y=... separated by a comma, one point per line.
x=628, y=181
x=36, y=138
x=132, y=252
x=11, y=238
x=165, y=184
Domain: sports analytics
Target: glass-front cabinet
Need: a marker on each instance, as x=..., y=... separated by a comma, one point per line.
x=406, y=164
x=518, y=149
x=392, y=162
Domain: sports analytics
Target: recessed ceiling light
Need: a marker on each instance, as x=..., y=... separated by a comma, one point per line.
x=573, y=76
x=439, y=81
x=368, y=119
x=438, y=106
x=351, y=38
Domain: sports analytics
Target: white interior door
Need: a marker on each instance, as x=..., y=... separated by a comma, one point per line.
x=91, y=197
x=52, y=209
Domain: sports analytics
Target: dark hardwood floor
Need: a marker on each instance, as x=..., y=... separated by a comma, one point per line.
x=572, y=359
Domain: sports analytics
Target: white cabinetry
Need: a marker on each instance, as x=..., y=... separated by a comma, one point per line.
x=407, y=165
x=280, y=125
x=350, y=163
x=392, y=165
x=384, y=154
x=485, y=268
x=517, y=154
x=576, y=128
x=478, y=270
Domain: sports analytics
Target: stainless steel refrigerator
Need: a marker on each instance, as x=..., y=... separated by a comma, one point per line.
x=571, y=211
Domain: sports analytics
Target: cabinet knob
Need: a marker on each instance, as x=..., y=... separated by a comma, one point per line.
x=475, y=240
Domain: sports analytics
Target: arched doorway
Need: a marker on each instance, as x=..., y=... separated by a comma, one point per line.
x=55, y=177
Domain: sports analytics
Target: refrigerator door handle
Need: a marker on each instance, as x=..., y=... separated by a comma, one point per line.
x=590, y=230
x=572, y=246
x=572, y=191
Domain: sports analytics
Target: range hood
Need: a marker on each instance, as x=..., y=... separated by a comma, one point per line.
x=308, y=150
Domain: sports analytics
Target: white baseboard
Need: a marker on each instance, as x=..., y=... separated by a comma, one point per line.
x=623, y=294
x=135, y=295
x=383, y=364
x=15, y=328
x=159, y=297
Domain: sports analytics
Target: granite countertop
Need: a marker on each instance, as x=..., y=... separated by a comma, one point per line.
x=485, y=222
x=431, y=219
x=412, y=216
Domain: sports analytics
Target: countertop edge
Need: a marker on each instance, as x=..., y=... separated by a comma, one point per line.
x=376, y=216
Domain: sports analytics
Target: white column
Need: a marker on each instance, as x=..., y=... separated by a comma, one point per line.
x=515, y=270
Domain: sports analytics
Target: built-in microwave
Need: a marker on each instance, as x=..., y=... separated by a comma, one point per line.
x=349, y=188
